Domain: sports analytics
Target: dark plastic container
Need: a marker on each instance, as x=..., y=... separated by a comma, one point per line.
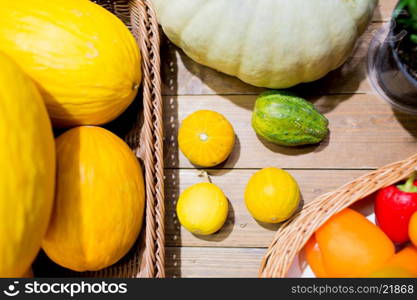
x=389, y=76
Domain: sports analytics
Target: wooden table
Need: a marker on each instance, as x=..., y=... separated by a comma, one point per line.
x=365, y=134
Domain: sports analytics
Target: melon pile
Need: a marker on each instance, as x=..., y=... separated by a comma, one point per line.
x=74, y=65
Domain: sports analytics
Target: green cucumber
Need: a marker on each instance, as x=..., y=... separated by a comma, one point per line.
x=285, y=119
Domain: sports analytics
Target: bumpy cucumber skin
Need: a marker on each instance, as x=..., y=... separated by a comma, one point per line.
x=287, y=120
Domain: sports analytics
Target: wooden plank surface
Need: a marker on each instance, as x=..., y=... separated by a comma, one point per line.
x=191, y=262
x=365, y=134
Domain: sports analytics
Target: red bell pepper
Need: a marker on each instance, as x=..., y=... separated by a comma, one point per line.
x=394, y=206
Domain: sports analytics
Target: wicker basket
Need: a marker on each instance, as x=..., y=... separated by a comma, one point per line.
x=145, y=137
x=294, y=234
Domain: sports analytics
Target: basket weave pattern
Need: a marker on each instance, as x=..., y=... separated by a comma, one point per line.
x=294, y=234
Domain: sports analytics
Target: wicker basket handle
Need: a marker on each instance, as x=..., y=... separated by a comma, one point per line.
x=294, y=234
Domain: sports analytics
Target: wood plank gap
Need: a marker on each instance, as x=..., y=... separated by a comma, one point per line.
x=289, y=169
x=217, y=247
x=254, y=94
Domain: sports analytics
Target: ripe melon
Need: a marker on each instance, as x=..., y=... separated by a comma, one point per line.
x=27, y=162
x=99, y=200
x=83, y=58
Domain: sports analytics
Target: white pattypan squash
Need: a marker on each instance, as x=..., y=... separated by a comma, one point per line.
x=267, y=43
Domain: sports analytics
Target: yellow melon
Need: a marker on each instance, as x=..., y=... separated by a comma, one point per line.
x=202, y=208
x=99, y=200
x=83, y=58
x=27, y=163
x=272, y=195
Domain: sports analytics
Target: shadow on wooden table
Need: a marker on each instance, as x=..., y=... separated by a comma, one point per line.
x=337, y=82
x=408, y=122
x=201, y=80
x=169, y=75
x=295, y=151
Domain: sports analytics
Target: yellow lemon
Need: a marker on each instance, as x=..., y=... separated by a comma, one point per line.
x=202, y=208
x=272, y=195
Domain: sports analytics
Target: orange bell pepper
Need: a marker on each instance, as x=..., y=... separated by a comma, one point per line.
x=348, y=245
x=406, y=259
x=314, y=257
